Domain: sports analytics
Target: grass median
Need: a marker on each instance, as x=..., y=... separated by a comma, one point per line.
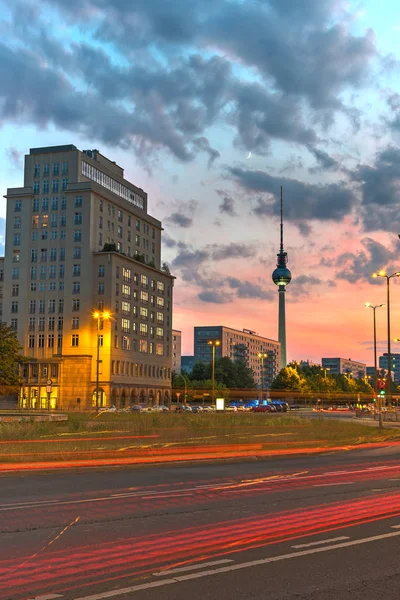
x=155, y=437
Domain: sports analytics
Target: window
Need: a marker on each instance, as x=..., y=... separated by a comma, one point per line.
x=51, y=323
x=45, y=221
x=101, y=206
x=78, y=201
x=53, y=254
x=31, y=341
x=54, y=186
x=52, y=271
x=14, y=306
x=100, y=288
x=35, y=205
x=125, y=325
x=54, y=219
x=64, y=184
x=120, y=232
x=63, y=220
x=160, y=287
x=60, y=323
x=35, y=236
x=76, y=287
x=54, y=203
x=14, y=324
x=126, y=290
x=15, y=290
x=43, y=235
x=144, y=313
x=137, y=225
x=18, y=206
x=144, y=280
x=78, y=218
x=31, y=323
x=76, y=271
x=46, y=169
x=36, y=172
x=101, y=222
x=16, y=255
x=50, y=340
x=77, y=235
x=117, y=272
x=125, y=308
x=41, y=340
x=143, y=329
x=144, y=296
x=101, y=270
x=100, y=239
x=59, y=340
x=129, y=236
x=61, y=305
x=53, y=235
x=143, y=346
x=16, y=239
x=126, y=342
x=75, y=305
x=52, y=306
x=65, y=168
x=45, y=186
x=117, y=289
x=75, y=323
x=160, y=317
x=120, y=216
x=160, y=301
x=77, y=253
x=116, y=345
x=15, y=273
x=42, y=287
x=41, y=323
x=160, y=332
x=75, y=340
x=32, y=306
x=61, y=271
x=17, y=222
x=137, y=240
x=63, y=203
x=52, y=286
x=43, y=255
x=36, y=187
x=160, y=349
x=56, y=168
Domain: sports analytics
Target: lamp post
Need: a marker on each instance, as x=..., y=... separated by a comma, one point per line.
x=262, y=356
x=185, y=396
x=100, y=316
x=369, y=305
x=388, y=278
x=325, y=369
x=213, y=344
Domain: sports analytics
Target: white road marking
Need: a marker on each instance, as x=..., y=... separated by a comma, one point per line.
x=330, y=484
x=46, y=597
x=235, y=567
x=337, y=539
x=395, y=526
x=394, y=479
x=193, y=567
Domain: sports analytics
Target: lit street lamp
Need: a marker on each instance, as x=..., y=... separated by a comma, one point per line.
x=369, y=305
x=388, y=278
x=325, y=369
x=100, y=316
x=262, y=356
x=213, y=344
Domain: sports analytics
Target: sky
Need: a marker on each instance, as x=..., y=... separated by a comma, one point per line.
x=211, y=106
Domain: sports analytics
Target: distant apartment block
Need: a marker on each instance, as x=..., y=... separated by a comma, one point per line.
x=395, y=359
x=239, y=345
x=187, y=363
x=345, y=366
x=79, y=239
x=176, y=350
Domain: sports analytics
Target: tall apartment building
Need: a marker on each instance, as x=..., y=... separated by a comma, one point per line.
x=345, y=366
x=239, y=345
x=395, y=367
x=79, y=239
x=176, y=351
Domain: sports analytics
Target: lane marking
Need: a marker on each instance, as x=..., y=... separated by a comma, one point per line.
x=395, y=526
x=46, y=597
x=331, y=484
x=394, y=479
x=236, y=567
x=337, y=539
x=193, y=567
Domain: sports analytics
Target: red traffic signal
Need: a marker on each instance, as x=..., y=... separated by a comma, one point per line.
x=381, y=384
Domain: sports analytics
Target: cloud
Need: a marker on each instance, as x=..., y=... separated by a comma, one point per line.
x=168, y=241
x=324, y=161
x=302, y=200
x=247, y=289
x=232, y=250
x=180, y=220
x=179, y=217
x=15, y=157
x=214, y=297
x=227, y=205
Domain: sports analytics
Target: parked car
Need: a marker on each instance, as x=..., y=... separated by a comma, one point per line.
x=262, y=408
x=197, y=409
x=160, y=408
x=183, y=408
x=232, y=408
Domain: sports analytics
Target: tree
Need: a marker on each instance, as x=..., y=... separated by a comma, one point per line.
x=232, y=374
x=245, y=376
x=290, y=379
x=165, y=268
x=200, y=372
x=10, y=358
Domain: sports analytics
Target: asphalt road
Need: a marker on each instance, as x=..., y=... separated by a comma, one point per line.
x=317, y=528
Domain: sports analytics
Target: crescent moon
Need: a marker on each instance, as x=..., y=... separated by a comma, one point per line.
x=249, y=156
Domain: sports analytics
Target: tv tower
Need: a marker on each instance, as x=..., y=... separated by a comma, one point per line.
x=282, y=277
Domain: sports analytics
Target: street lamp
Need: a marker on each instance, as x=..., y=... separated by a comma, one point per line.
x=325, y=369
x=388, y=278
x=369, y=305
x=262, y=356
x=213, y=344
x=100, y=316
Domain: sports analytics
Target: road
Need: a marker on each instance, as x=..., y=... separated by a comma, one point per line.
x=313, y=528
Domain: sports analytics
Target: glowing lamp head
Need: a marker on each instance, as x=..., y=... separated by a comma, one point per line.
x=96, y=315
x=106, y=315
x=368, y=304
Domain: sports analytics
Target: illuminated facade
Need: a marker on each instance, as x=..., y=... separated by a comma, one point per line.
x=79, y=238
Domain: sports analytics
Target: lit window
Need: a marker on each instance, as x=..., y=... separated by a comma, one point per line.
x=75, y=340
x=143, y=346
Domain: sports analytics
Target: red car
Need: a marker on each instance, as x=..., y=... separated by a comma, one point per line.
x=262, y=408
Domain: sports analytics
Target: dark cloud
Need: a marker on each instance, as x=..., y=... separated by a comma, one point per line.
x=141, y=82
x=227, y=205
x=15, y=157
x=301, y=200
x=247, y=289
x=180, y=220
x=168, y=241
x=325, y=162
x=232, y=250
x=359, y=266
x=214, y=297
x=304, y=228
x=188, y=258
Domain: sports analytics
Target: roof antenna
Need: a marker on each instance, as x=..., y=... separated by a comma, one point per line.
x=281, y=219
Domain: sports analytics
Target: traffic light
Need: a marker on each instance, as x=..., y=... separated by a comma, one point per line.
x=382, y=393
x=381, y=384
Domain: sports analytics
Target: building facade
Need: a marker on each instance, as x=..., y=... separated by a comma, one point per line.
x=345, y=366
x=187, y=363
x=176, y=351
x=79, y=239
x=395, y=358
x=239, y=345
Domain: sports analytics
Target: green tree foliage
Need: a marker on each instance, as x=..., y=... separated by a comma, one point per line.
x=314, y=379
x=232, y=374
x=10, y=358
x=290, y=379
